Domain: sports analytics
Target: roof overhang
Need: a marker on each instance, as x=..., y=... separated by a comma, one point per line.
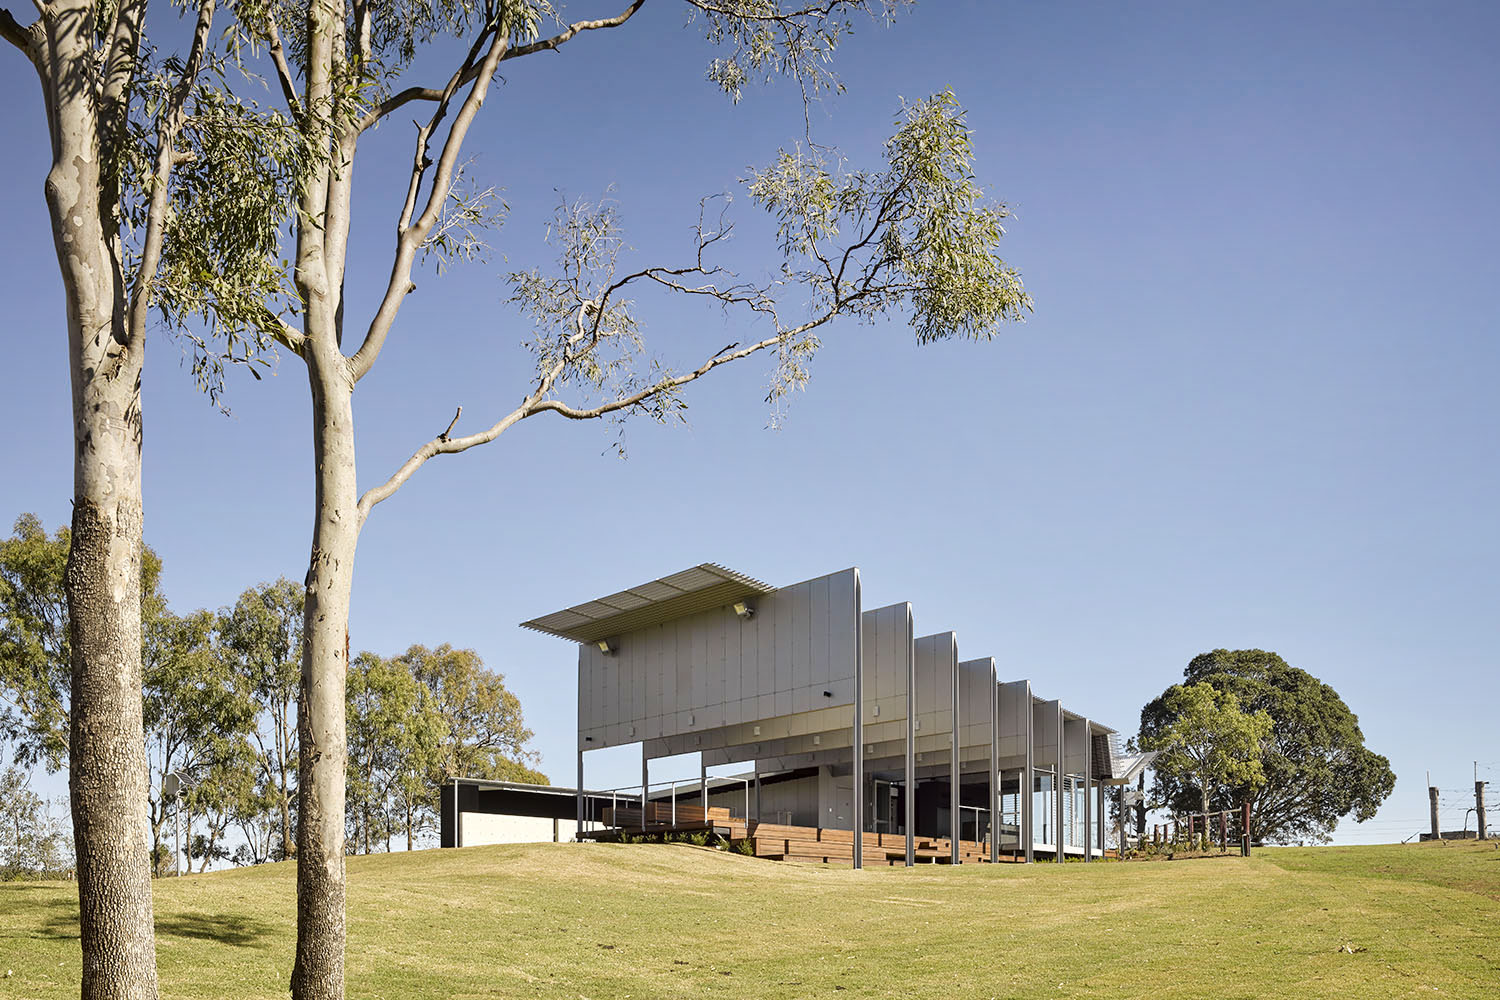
x=701, y=588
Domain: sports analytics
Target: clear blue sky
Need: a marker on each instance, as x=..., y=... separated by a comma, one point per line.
x=1255, y=406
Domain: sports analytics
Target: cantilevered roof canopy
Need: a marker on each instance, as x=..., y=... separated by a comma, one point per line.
x=693, y=590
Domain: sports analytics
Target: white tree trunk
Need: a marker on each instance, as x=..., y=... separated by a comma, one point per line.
x=107, y=772
x=319, y=970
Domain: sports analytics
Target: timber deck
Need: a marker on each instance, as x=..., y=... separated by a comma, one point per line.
x=782, y=842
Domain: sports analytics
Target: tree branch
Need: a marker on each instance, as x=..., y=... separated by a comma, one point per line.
x=399, y=100
x=283, y=69
x=12, y=31
x=166, y=136
x=557, y=40
x=411, y=235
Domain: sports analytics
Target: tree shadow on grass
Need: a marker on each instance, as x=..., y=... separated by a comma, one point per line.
x=225, y=928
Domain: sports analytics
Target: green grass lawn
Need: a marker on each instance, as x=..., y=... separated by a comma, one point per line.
x=610, y=922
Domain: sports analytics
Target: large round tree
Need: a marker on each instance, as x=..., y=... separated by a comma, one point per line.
x=1316, y=765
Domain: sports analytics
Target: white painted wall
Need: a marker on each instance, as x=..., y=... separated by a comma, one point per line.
x=478, y=829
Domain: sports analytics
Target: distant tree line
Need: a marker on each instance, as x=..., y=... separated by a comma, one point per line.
x=219, y=692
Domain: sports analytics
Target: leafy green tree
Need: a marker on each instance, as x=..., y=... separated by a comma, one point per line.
x=32, y=842
x=263, y=632
x=35, y=647
x=485, y=733
x=394, y=732
x=1317, y=769
x=416, y=720
x=198, y=716
x=1207, y=742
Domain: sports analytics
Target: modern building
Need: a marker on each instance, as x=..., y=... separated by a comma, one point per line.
x=837, y=717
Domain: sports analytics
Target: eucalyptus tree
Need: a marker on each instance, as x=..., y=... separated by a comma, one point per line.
x=198, y=717
x=157, y=194
x=1207, y=742
x=36, y=691
x=263, y=633
x=914, y=237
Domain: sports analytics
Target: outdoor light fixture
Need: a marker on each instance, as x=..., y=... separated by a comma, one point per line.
x=757, y=731
x=828, y=694
x=605, y=647
x=817, y=741
x=744, y=609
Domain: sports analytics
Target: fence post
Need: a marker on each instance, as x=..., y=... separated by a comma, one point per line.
x=1245, y=828
x=1432, y=803
x=1224, y=831
x=1479, y=808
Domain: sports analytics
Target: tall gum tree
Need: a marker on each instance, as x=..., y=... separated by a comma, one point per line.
x=155, y=194
x=915, y=237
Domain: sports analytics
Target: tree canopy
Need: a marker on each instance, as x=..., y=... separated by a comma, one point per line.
x=35, y=648
x=1316, y=767
x=1208, y=742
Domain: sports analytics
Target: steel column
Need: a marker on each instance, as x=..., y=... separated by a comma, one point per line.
x=1088, y=791
x=580, y=799
x=645, y=785
x=1028, y=783
x=858, y=819
x=1059, y=835
x=955, y=776
x=995, y=784
x=910, y=805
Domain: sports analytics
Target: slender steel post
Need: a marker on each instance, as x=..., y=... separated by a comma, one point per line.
x=1103, y=815
x=645, y=785
x=955, y=778
x=757, y=794
x=1059, y=835
x=1088, y=791
x=703, y=785
x=579, y=801
x=909, y=792
x=858, y=819
x=994, y=767
x=1028, y=782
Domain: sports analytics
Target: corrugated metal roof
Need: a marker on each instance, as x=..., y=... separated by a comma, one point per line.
x=700, y=588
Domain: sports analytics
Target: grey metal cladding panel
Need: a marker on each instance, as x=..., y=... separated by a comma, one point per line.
x=697, y=630
x=1015, y=712
x=843, y=619
x=819, y=626
x=1075, y=746
x=781, y=689
x=802, y=665
x=680, y=647
x=1045, y=734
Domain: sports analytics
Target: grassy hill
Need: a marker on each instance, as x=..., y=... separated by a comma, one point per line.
x=644, y=921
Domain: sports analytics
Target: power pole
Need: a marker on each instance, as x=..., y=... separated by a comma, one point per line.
x=1479, y=802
